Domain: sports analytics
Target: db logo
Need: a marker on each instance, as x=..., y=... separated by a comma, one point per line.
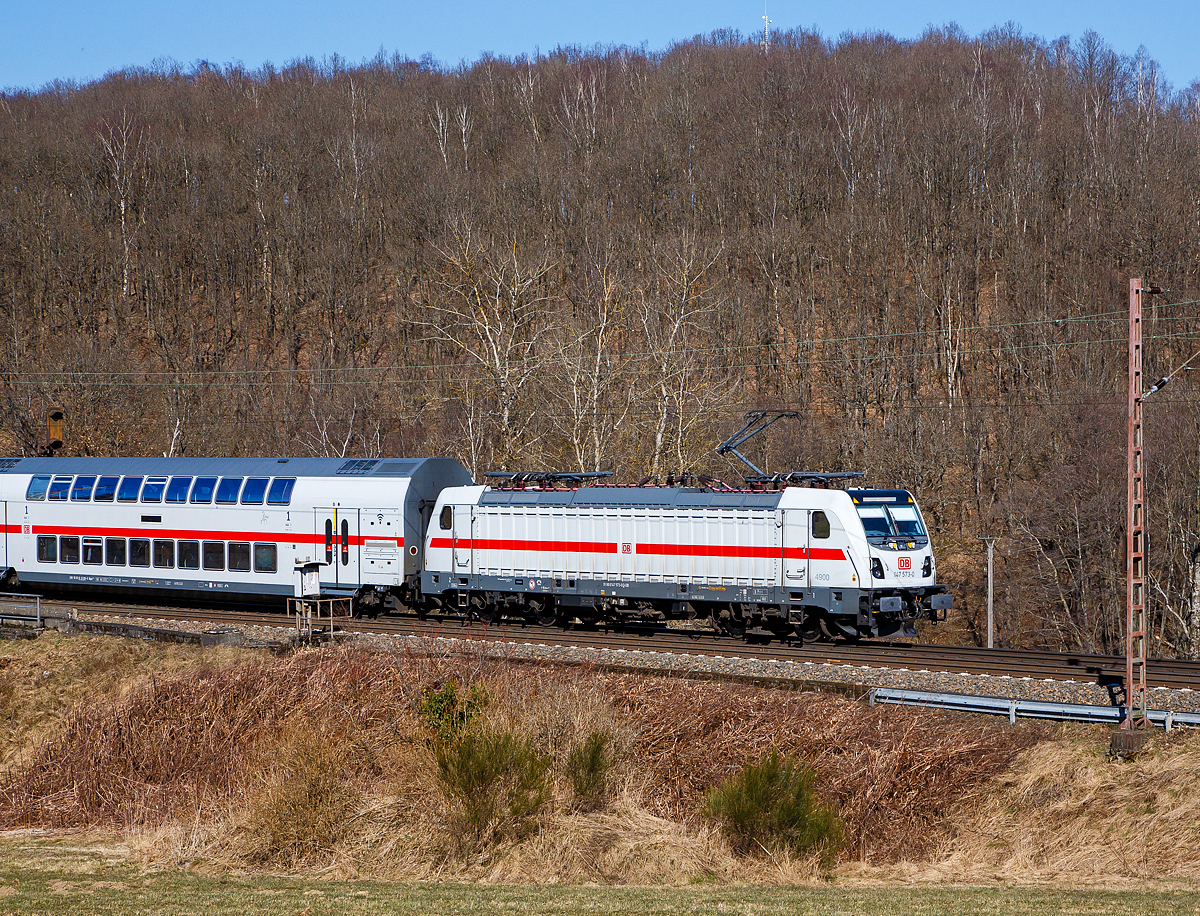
x=26, y=529
x=626, y=548
x=903, y=562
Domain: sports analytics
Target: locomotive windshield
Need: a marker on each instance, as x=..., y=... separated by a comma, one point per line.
x=888, y=514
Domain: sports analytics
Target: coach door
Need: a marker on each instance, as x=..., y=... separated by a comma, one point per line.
x=795, y=548
x=4, y=540
x=337, y=547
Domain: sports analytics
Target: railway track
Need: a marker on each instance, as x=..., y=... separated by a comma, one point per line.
x=1105, y=671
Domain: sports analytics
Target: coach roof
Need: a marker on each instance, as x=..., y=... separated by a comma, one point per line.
x=230, y=467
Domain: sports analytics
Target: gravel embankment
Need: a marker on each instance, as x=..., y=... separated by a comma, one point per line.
x=805, y=675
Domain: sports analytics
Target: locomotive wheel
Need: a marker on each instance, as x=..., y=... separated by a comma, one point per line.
x=727, y=620
x=482, y=609
x=544, y=612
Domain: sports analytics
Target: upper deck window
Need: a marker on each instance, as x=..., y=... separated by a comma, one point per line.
x=177, y=489
x=59, y=487
x=254, y=491
x=281, y=491
x=83, y=488
x=129, y=489
x=228, y=489
x=202, y=489
x=106, y=489
x=37, y=488
x=152, y=491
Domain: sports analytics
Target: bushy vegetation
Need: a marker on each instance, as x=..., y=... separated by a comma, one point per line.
x=498, y=782
x=589, y=765
x=373, y=762
x=447, y=713
x=771, y=805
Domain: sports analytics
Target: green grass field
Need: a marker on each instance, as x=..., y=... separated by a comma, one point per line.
x=42, y=877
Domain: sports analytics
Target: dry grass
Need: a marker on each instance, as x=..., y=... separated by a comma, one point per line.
x=893, y=774
x=42, y=680
x=324, y=760
x=1066, y=812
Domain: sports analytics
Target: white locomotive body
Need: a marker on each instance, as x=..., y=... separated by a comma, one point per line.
x=797, y=560
x=219, y=526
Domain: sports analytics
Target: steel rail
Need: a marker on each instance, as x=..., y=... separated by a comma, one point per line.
x=1106, y=671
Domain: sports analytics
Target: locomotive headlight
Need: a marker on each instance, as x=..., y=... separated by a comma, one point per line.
x=927, y=569
x=876, y=568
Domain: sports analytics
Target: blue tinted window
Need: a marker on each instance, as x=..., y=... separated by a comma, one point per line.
x=255, y=490
x=106, y=488
x=177, y=490
x=128, y=491
x=59, y=487
x=83, y=487
x=202, y=490
x=37, y=488
x=281, y=491
x=228, y=488
x=152, y=492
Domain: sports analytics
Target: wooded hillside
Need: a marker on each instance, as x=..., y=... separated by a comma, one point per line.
x=602, y=259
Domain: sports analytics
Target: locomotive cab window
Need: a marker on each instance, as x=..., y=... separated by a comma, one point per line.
x=177, y=489
x=254, y=491
x=444, y=520
x=907, y=522
x=37, y=488
x=106, y=489
x=82, y=490
x=228, y=489
x=281, y=491
x=47, y=549
x=876, y=522
x=128, y=491
x=820, y=525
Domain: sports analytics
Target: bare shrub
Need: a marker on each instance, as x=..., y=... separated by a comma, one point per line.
x=305, y=808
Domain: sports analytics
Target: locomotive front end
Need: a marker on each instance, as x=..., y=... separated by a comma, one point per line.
x=903, y=570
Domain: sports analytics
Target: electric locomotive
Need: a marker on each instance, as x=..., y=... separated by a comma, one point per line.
x=793, y=561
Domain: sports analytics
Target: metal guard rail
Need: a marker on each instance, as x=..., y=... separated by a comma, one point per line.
x=1029, y=709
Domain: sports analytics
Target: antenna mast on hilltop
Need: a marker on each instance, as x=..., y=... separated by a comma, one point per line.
x=766, y=42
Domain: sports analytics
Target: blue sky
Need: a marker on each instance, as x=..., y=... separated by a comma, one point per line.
x=81, y=41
